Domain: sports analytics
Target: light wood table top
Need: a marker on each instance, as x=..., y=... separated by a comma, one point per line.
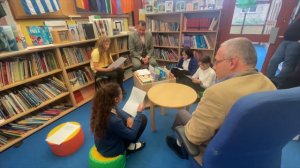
x=170, y=95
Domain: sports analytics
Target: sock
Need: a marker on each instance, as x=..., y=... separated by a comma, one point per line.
x=178, y=142
x=133, y=146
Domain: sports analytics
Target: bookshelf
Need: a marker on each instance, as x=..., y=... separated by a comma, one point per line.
x=172, y=31
x=40, y=66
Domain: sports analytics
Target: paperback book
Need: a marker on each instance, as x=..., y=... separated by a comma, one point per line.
x=40, y=35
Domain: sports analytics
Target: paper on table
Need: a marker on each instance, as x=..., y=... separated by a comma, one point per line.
x=136, y=97
x=143, y=72
x=62, y=134
x=117, y=63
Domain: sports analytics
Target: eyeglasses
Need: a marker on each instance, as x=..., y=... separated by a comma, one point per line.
x=219, y=61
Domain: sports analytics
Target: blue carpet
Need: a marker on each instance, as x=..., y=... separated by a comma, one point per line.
x=35, y=153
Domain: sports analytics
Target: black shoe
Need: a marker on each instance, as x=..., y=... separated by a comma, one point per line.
x=172, y=143
x=143, y=144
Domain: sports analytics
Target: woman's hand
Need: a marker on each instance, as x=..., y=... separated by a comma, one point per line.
x=129, y=122
x=141, y=107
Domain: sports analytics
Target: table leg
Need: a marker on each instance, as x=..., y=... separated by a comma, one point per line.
x=162, y=111
x=152, y=111
x=187, y=108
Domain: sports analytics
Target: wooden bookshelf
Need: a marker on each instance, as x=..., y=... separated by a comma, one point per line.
x=62, y=73
x=158, y=22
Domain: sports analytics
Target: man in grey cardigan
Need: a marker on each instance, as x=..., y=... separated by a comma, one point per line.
x=141, y=47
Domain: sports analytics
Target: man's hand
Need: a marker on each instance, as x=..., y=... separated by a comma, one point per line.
x=146, y=60
x=129, y=122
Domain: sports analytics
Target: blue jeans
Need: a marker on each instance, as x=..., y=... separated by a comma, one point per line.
x=289, y=53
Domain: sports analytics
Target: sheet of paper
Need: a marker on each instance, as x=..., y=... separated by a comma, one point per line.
x=143, y=72
x=117, y=63
x=136, y=97
x=63, y=133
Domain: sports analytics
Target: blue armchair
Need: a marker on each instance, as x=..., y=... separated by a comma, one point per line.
x=254, y=132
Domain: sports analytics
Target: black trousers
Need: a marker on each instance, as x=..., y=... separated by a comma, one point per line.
x=116, y=75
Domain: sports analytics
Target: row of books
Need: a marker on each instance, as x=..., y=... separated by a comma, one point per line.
x=151, y=6
x=75, y=55
x=199, y=23
x=17, y=101
x=17, y=128
x=122, y=44
x=166, y=54
x=165, y=40
x=80, y=77
x=17, y=69
x=157, y=25
x=197, y=41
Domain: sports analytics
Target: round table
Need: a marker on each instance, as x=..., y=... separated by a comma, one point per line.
x=170, y=95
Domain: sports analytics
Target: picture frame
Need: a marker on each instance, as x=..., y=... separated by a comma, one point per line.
x=161, y=7
x=61, y=36
x=149, y=8
x=180, y=6
x=195, y=5
x=168, y=6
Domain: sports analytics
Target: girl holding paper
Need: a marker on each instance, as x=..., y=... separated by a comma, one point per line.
x=101, y=59
x=115, y=131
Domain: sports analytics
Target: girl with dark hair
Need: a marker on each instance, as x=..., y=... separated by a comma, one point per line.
x=187, y=65
x=115, y=131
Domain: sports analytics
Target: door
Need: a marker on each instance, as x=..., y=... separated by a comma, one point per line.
x=256, y=22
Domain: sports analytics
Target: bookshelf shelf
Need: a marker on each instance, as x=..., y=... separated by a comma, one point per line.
x=77, y=65
x=28, y=133
x=167, y=32
x=30, y=79
x=156, y=46
x=199, y=31
x=34, y=109
x=23, y=52
x=85, y=101
x=82, y=86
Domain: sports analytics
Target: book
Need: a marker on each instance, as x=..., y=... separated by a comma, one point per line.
x=39, y=35
x=168, y=6
x=7, y=39
x=117, y=63
x=73, y=32
x=136, y=97
x=180, y=6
